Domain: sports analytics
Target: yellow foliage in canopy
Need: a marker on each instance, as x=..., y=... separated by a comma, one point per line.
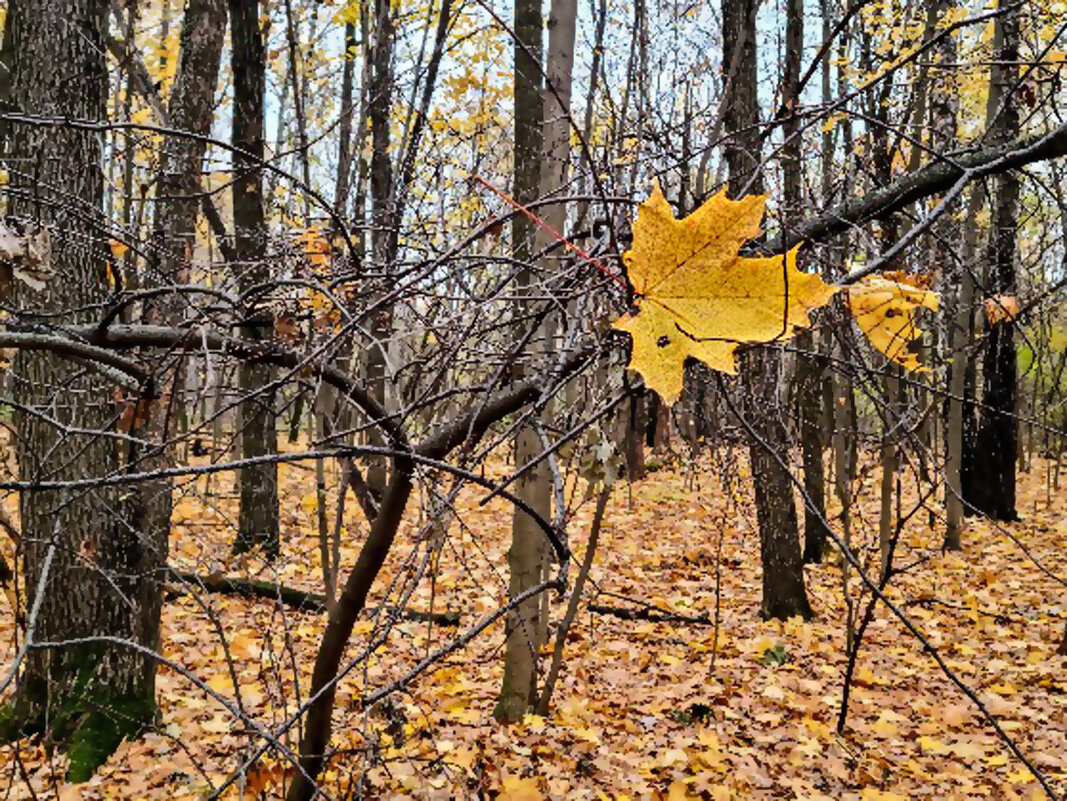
x=316, y=247
x=885, y=308
x=696, y=296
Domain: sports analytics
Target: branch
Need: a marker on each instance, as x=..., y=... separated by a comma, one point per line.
x=115, y=367
x=930, y=180
x=473, y=424
x=134, y=336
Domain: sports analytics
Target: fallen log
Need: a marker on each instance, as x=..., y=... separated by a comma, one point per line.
x=301, y=600
x=654, y=615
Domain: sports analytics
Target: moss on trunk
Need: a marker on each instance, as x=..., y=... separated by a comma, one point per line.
x=99, y=726
x=87, y=720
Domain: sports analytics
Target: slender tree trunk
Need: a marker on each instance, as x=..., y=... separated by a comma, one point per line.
x=632, y=421
x=810, y=365
x=536, y=141
x=190, y=108
x=784, y=594
x=344, y=149
x=98, y=572
x=844, y=434
x=890, y=464
x=998, y=429
x=258, y=524
x=544, y=702
x=7, y=66
x=960, y=404
x=379, y=109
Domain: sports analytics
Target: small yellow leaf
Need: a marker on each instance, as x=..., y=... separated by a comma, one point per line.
x=1001, y=307
x=678, y=791
x=932, y=746
x=118, y=249
x=673, y=756
x=885, y=308
x=885, y=727
x=1021, y=776
x=221, y=683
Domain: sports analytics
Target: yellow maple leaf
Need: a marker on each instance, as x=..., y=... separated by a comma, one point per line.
x=885, y=309
x=698, y=297
x=514, y=788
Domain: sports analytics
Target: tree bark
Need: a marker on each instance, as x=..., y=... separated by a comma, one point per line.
x=104, y=577
x=810, y=365
x=344, y=147
x=784, y=594
x=191, y=108
x=383, y=221
x=258, y=524
x=534, y=137
x=998, y=428
x=959, y=429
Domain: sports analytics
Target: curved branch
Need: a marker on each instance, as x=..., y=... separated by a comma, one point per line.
x=109, y=364
x=134, y=336
x=930, y=180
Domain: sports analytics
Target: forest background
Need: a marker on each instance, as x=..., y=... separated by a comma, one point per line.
x=465, y=399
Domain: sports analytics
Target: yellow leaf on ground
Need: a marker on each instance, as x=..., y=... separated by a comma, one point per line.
x=513, y=788
x=678, y=791
x=1020, y=776
x=932, y=746
x=697, y=297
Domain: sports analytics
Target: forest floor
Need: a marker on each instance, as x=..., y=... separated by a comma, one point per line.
x=644, y=708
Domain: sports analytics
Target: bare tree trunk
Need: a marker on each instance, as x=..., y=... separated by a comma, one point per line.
x=632, y=420
x=890, y=464
x=344, y=135
x=541, y=163
x=258, y=524
x=7, y=67
x=784, y=594
x=190, y=108
x=544, y=702
x=379, y=109
x=959, y=407
x=810, y=365
x=844, y=434
x=998, y=429
x=97, y=572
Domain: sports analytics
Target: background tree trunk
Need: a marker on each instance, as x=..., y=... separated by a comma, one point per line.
x=380, y=104
x=998, y=428
x=191, y=108
x=104, y=576
x=810, y=365
x=258, y=519
x=535, y=137
x=784, y=594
